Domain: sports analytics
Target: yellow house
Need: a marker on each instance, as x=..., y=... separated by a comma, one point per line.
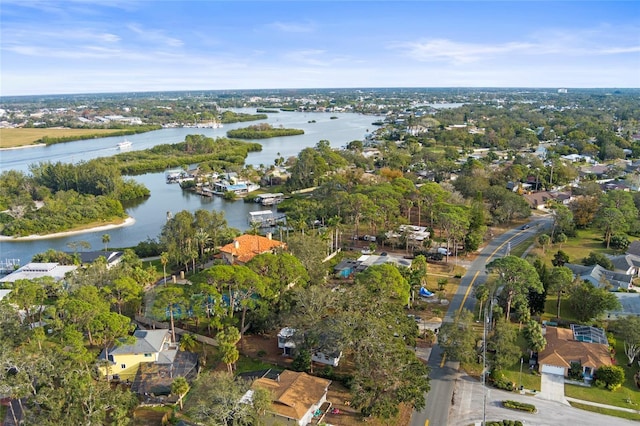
x=151, y=346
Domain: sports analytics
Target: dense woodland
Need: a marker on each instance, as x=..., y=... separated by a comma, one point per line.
x=262, y=131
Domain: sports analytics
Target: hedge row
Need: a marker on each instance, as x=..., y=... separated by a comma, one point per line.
x=530, y=408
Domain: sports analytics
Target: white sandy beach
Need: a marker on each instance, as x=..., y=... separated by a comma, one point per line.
x=23, y=147
x=127, y=222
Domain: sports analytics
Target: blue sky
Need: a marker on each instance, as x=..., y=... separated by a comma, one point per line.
x=82, y=46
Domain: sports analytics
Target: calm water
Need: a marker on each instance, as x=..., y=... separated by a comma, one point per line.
x=150, y=215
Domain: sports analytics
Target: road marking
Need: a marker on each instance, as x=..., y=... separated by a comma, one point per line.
x=444, y=359
x=464, y=299
x=426, y=422
x=468, y=290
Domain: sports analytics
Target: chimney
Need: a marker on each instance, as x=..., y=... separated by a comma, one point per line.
x=269, y=235
x=236, y=244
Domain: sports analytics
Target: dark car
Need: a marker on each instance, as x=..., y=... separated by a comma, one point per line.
x=527, y=226
x=384, y=253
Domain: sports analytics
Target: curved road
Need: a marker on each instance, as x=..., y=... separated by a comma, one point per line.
x=443, y=372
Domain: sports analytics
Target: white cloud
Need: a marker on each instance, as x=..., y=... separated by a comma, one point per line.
x=292, y=27
x=456, y=52
x=155, y=36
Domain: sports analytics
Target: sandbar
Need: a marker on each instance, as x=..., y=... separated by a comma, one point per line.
x=127, y=222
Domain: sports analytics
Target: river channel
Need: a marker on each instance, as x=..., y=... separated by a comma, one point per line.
x=151, y=214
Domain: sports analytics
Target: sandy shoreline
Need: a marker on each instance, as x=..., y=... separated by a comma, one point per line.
x=23, y=147
x=127, y=222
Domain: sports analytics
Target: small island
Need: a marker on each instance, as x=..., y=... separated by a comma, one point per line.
x=262, y=131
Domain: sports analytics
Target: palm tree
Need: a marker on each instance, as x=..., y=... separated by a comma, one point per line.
x=164, y=259
x=106, y=238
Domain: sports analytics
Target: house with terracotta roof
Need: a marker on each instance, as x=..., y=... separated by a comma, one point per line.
x=582, y=344
x=246, y=247
x=295, y=397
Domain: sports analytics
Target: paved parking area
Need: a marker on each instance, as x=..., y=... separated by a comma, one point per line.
x=552, y=388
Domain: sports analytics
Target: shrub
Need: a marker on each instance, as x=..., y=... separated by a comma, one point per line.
x=505, y=423
x=611, y=375
x=522, y=406
x=575, y=371
x=261, y=353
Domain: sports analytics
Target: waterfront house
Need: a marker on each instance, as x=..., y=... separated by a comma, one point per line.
x=246, y=247
x=35, y=270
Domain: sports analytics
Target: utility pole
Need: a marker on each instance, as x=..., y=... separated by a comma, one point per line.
x=520, y=378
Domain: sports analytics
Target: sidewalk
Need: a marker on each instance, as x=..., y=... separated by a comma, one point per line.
x=597, y=404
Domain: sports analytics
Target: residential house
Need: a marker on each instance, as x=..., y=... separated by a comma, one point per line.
x=34, y=270
x=150, y=346
x=627, y=264
x=634, y=248
x=246, y=247
x=295, y=396
x=599, y=276
x=287, y=343
x=582, y=344
x=538, y=200
x=87, y=257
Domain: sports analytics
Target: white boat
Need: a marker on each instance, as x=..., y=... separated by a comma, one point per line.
x=124, y=144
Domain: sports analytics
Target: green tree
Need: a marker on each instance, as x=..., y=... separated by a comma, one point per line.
x=169, y=301
x=458, y=339
x=589, y=302
x=543, y=242
x=215, y=399
x=111, y=329
x=106, y=238
x=482, y=294
x=629, y=330
x=123, y=290
x=516, y=276
x=503, y=342
x=534, y=336
x=611, y=375
x=595, y=258
x=180, y=387
x=227, y=345
x=560, y=281
x=385, y=281
x=610, y=221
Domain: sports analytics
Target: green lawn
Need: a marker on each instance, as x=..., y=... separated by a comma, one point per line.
x=550, y=310
x=606, y=411
x=527, y=379
x=578, y=247
x=246, y=364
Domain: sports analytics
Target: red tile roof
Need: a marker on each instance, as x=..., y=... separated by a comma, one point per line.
x=246, y=247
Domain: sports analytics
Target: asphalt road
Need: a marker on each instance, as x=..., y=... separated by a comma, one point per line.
x=444, y=373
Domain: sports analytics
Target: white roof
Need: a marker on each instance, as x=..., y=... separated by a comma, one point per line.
x=35, y=270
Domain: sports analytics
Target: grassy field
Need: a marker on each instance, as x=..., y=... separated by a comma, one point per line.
x=14, y=137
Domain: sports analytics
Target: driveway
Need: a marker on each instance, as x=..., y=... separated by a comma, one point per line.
x=552, y=388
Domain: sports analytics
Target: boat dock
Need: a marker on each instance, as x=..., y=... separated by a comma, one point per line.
x=266, y=218
x=268, y=199
x=8, y=266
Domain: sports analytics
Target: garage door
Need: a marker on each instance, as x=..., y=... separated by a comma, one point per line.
x=552, y=369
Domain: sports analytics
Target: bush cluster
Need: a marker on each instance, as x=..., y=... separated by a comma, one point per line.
x=505, y=423
x=522, y=406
